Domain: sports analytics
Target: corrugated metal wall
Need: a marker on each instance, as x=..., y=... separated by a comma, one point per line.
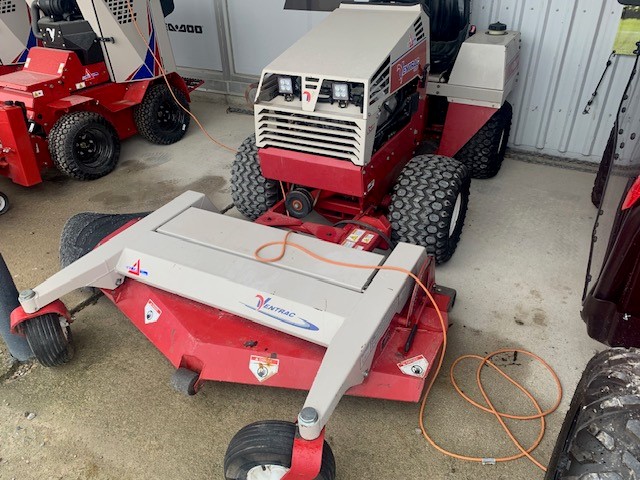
x=565, y=45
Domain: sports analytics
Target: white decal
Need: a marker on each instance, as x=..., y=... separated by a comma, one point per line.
x=415, y=366
x=263, y=367
x=151, y=312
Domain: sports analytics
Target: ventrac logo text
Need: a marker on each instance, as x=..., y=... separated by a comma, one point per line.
x=404, y=68
x=174, y=27
x=265, y=307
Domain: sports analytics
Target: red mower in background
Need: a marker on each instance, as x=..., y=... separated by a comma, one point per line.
x=96, y=80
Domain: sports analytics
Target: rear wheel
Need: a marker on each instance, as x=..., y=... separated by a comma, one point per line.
x=159, y=118
x=252, y=193
x=84, y=145
x=484, y=153
x=49, y=337
x=4, y=203
x=600, y=437
x=263, y=450
x=429, y=204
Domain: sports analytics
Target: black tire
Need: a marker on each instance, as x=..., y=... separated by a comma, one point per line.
x=159, y=118
x=252, y=194
x=50, y=341
x=84, y=231
x=185, y=381
x=603, y=170
x=4, y=204
x=426, y=196
x=600, y=437
x=84, y=145
x=268, y=443
x=484, y=153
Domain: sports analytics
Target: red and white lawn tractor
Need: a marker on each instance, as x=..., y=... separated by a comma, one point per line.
x=15, y=32
x=341, y=115
x=332, y=313
x=97, y=79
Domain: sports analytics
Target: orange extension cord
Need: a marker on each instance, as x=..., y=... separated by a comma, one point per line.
x=500, y=416
x=163, y=72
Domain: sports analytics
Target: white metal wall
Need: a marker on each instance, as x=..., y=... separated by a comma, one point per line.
x=565, y=45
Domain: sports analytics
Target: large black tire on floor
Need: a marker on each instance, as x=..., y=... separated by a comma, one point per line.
x=268, y=443
x=84, y=145
x=84, y=231
x=49, y=337
x=603, y=170
x=252, y=193
x=159, y=118
x=600, y=437
x=429, y=204
x=484, y=153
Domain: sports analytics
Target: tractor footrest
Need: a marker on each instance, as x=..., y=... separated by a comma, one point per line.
x=193, y=83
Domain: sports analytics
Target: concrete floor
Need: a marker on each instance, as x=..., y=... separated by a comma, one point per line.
x=111, y=413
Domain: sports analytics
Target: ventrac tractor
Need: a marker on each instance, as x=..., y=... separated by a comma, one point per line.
x=340, y=120
x=105, y=71
x=344, y=117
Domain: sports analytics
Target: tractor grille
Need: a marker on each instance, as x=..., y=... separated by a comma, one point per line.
x=312, y=134
x=7, y=6
x=419, y=30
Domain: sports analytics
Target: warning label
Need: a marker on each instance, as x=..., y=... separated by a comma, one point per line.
x=151, y=312
x=415, y=366
x=263, y=367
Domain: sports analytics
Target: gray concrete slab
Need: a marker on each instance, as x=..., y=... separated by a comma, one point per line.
x=111, y=413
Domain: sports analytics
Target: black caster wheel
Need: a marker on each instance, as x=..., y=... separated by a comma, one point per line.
x=262, y=451
x=185, y=381
x=4, y=203
x=49, y=337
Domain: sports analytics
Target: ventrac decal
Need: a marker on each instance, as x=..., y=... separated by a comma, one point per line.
x=264, y=306
x=409, y=66
x=185, y=28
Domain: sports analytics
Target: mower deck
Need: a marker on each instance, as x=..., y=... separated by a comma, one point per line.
x=186, y=276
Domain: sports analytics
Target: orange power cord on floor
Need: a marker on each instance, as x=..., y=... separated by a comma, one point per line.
x=500, y=416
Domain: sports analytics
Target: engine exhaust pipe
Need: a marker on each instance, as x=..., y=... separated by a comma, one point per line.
x=18, y=346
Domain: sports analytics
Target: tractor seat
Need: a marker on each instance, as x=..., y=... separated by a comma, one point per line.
x=449, y=22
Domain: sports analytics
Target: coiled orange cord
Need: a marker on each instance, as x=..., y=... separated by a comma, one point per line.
x=500, y=416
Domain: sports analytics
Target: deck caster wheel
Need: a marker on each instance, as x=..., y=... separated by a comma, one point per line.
x=4, y=203
x=262, y=451
x=49, y=337
x=185, y=381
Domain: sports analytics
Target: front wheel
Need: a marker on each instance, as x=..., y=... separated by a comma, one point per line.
x=4, y=203
x=49, y=337
x=84, y=145
x=263, y=450
x=429, y=204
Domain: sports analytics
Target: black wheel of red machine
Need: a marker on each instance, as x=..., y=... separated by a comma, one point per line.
x=84, y=145
x=159, y=118
x=262, y=451
x=484, y=153
x=185, y=381
x=600, y=437
x=252, y=193
x=429, y=204
x=4, y=204
x=49, y=337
